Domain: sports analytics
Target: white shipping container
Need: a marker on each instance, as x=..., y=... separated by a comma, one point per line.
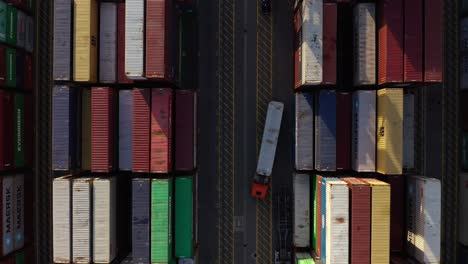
x=270, y=138
x=408, y=131
x=364, y=122
x=364, y=44
x=312, y=42
x=428, y=217
x=7, y=214
x=61, y=219
x=18, y=214
x=134, y=38
x=337, y=222
x=463, y=203
x=81, y=220
x=104, y=220
x=301, y=191
x=108, y=43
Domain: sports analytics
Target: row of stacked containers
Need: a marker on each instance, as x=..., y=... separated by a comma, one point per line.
x=16, y=130
x=357, y=194
x=124, y=132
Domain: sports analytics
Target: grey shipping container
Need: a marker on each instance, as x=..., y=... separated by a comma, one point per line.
x=81, y=220
x=325, y=131
x=141, y=220
x=125, y=129
x=301, y=220
x=304, y=136
x=364, y=122
x=108, y=43
x=61, y=219
x=408, y=131
x=134, y=38
x=63, y=117
x=63, y=17
x=364, y=44
x=21, y=29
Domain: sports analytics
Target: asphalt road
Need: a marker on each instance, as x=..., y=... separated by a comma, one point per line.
x=245, y=60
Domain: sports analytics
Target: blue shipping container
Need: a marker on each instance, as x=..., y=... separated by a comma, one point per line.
x=125, y=129
x=325, y=131
x=141, y=220
x=304, y=136
x=324, y=216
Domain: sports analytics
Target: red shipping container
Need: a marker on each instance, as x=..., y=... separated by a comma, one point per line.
x=318, y=197
x=29, y=130
x=397, y=221
x=161, y=130
x=6, y=130
x=433, y=42
x=185, y=130
x=158, y=40
x=390, y=41
x=297, y=49
x=102, y=122
x=122, y=77
x=343, y=130
x=329, y=43
x=413, y=61
x=360, y=220
x=28, y=76
x=141, y=130
x=2, y=65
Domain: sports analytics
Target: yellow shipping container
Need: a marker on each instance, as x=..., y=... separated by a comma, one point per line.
x=380, y=221
x=85, y=41
x=390, y=131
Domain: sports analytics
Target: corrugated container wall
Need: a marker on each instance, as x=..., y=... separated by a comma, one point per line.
x=183, y=217
x=61, y=219
x=28, y=78
x=102, y=129
x=86, y=128
x=337, y=222
x=161, y=130
x=108, y=43
x=413, y=43
x=6, y=213
x=20, y=69
x=134, y=38
x=380, y=221
x=122, y=76
x=323, y=210
x=313, y=208
x=297, y=49
x=301, y=220
x=161, y=220
x=11, y=67
x=397, y=224
x=125, y=129
x=343, y=130
x=360, y=217
x=85, y=40
x=104, y=220
x=20, y=29
x=433, y=40
x=408, y=131
x=364, y=44
x=3, y=70
x=29, y=42
x=363, y=134
x=19, y=130
x=81, y=219
x=141, y=200
x=3, y=21
x=12, y=20
x=325, y=131
x=18, y=211
x=464, y=53
x=390, y=41
x=463, y=208
x=304, y=136
x=390, y=131
x=410, y=215
x=141, y=130
x=329, y=42
x=63, y=126
x=63, y=17
x=185, y=130
x=318, y=216
x=6, y=130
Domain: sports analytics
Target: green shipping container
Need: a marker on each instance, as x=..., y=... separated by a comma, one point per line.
x=3, y=21
x=304, y=258
x=11, y=25
x=161, y=200
x=19, y=130
x=184, y=217
x=314, y=211
x=19, y=257
x=11, y=67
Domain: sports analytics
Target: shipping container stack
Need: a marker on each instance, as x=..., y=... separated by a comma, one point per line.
x=355, y=130
x=16, y=130
x=124, y=131
x=463, y=180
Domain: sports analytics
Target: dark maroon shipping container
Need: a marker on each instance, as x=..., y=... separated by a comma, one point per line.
x=6, y=130
x=3, y=61
x=413, y=52
x=122, y=77
x=158, y=40
x=390, y=41
x=141, y=130
x=102, y=129
x=161, y=130
x=397, y=221
x=29, y=129
x=185, y=130
x=318, y=197
x=433, y=43
x=28, y=75
x=343, y=130
x=329, y=43
x=360, y=220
